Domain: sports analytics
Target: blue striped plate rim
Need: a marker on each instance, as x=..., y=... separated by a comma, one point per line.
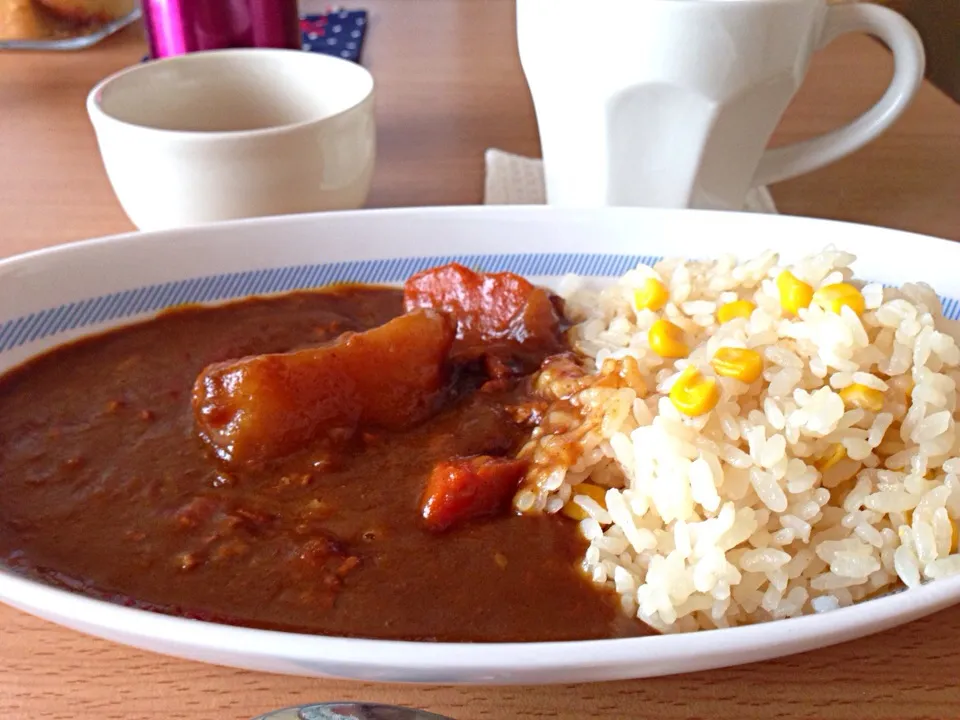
x=225, y=286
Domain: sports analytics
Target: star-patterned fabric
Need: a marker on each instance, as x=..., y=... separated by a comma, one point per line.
x=338, y=32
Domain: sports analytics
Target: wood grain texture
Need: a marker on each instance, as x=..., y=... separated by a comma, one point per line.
x=449, y=86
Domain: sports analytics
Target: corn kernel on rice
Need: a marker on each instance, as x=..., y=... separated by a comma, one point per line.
x=782, y=499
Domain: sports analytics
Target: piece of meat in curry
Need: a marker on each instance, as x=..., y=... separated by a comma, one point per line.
x=383, y=521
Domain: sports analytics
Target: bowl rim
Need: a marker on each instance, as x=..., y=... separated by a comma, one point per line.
x=38, y=598
x=100, y=117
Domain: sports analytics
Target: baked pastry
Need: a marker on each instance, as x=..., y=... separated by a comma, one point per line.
x=90, y=11
x=21, y=20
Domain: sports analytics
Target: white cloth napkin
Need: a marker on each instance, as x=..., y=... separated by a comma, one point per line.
x=518, y=180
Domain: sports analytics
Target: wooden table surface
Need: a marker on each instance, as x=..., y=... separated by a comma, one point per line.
x=449, y=86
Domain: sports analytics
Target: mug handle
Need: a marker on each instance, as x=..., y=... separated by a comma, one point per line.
x=904, y=42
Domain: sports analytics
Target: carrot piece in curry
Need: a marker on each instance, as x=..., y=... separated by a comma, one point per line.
x=464, y=488
x=487, y=307
x=267, y=406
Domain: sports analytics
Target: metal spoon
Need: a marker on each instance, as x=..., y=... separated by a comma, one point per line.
x=350, y=711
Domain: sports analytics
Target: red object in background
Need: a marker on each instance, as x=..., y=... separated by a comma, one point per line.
x=175, y=27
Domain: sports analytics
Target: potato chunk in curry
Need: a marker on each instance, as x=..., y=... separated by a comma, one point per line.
x=267, y=406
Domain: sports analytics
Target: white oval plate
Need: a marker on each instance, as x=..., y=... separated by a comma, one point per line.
x=54, y=295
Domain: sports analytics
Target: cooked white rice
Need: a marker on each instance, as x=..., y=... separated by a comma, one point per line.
x=724, y=519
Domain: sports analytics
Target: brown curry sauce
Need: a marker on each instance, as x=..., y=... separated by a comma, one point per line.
x=106, y=489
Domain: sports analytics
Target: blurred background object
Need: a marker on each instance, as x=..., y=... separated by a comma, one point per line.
x=75, y=24
x=90, y=11
x=938, y=22
x=61, y=24
x=175, y=27
x=21, y=20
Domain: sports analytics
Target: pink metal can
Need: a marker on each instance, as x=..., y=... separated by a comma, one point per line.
x=175, y=27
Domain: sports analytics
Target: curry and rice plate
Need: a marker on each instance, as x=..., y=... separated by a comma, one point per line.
x=752, y=441
x=698, y=444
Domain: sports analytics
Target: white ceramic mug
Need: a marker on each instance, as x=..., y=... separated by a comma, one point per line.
x=236, y=133
x=675, y=106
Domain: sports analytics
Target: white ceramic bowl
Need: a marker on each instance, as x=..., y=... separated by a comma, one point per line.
x=54, y=295
x=236, y=133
